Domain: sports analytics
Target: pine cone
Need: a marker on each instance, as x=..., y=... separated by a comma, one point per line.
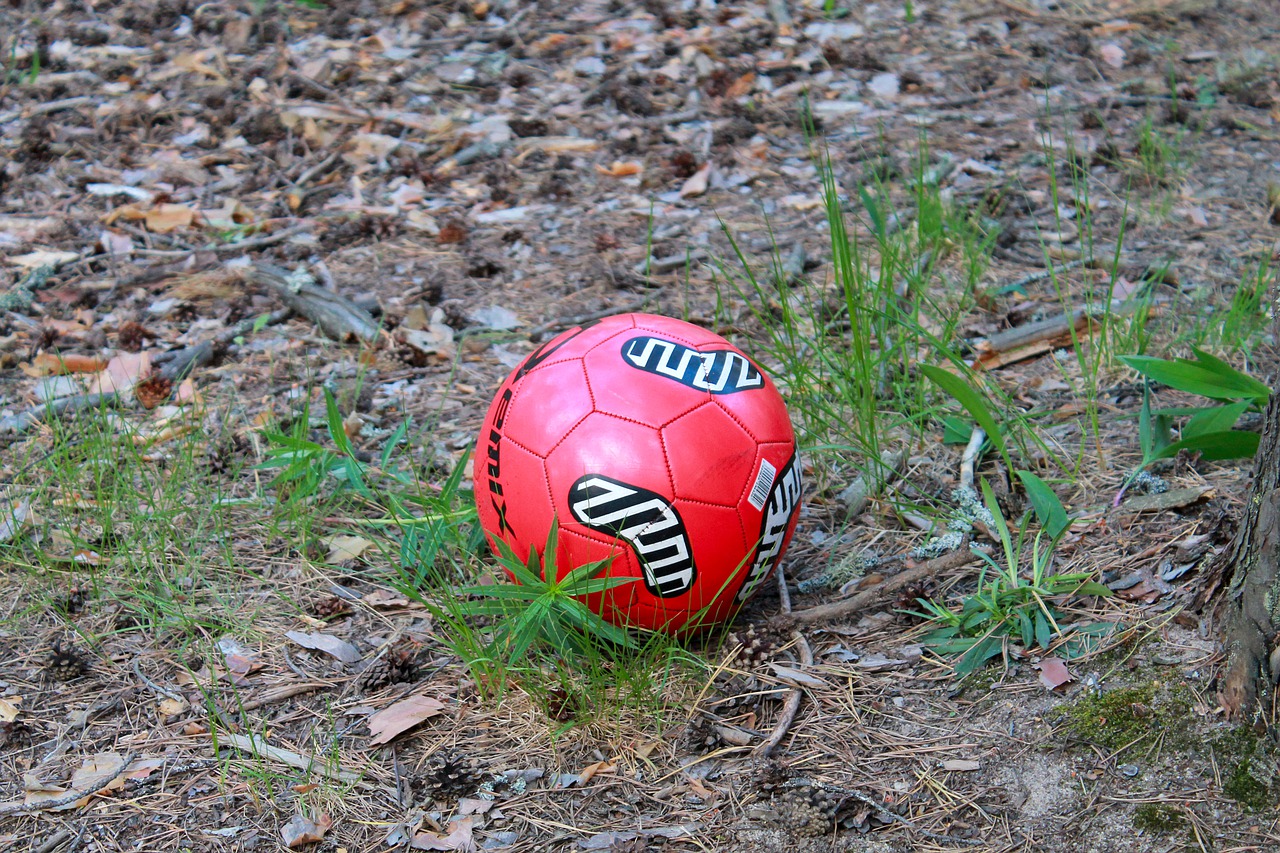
x=331, y=608
x=450, y=776
x=130, y=336
x=753, y=648
x=153, y=391
x=64, y=664
x=74, y=601
x=397, y=666
x=221, y=454
x=908, y=599
x=809, y=811
x=700, y=735
x=770, y=774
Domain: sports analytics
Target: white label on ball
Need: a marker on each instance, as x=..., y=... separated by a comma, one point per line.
x=764, y=482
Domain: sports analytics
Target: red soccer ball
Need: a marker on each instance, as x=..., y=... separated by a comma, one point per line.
x=653, y=442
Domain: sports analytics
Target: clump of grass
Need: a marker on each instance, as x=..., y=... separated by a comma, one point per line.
x=845, y=348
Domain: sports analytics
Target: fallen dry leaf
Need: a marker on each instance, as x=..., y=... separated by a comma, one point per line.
x=9, y=709
x=1053, y=673
x=303, y=830
x=13, y=518
x=400, y=717
x=169, y=217
x=43, y=258
x=459, y=837
x=385, y=599
x=797, y=678
x=697, y=183
x=342, y=548
x=121, y=373
x=620, y=169
x=97, y=769
x=327, y=643
x=591, y=770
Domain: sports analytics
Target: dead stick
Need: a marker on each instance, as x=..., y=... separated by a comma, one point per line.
x=795, y=695
x=868, y=598
x=69, y=797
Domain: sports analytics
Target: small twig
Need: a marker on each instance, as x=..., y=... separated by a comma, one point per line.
x=669, y=118
x=794, y=695
x=870, y=597
x=29, y=417
x=68, y=798
x=47, y=107
x=163, y=691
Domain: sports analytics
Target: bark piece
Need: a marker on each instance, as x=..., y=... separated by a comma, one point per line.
x=338, y=317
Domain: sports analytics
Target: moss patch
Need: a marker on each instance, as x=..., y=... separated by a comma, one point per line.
x=1131, y=716
x=1249, y=763
x=1157, y=817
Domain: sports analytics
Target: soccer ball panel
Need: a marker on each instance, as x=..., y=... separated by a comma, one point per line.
x=626, y=450
x=621, y=389
x=759, y=414
x=512, y=496
x=712, y=457
x=547, y=404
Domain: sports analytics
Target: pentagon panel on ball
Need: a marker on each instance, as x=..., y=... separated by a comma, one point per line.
x=655, y=444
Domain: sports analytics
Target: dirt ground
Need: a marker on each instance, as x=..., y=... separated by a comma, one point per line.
x=483, y=174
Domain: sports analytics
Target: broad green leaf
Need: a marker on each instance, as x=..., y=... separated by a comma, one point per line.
x=1210, y=362
x=955, y=431
x=393, y=441
x=1044, y=634
x=337, y=432
x=1196, y=378
x=1214, y=419
x=1229, y=444
x=1049, y=510
x=977, y=656
x=1002, y=529
x=972, y=402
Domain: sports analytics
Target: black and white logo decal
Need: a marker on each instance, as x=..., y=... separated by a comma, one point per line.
x=719, y=371
x=784, y=500
x=644, y=520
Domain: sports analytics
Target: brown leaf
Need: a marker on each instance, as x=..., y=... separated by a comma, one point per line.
x=169, y=217
x=400, y=717
x=1053, y=673
x=591, y=770
x=343, y=548
x=302, y=830
x=57, y=364
x=697, y=184
x=620, y=169
x=459, y=838
x=98, y=768
x=121, y=373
